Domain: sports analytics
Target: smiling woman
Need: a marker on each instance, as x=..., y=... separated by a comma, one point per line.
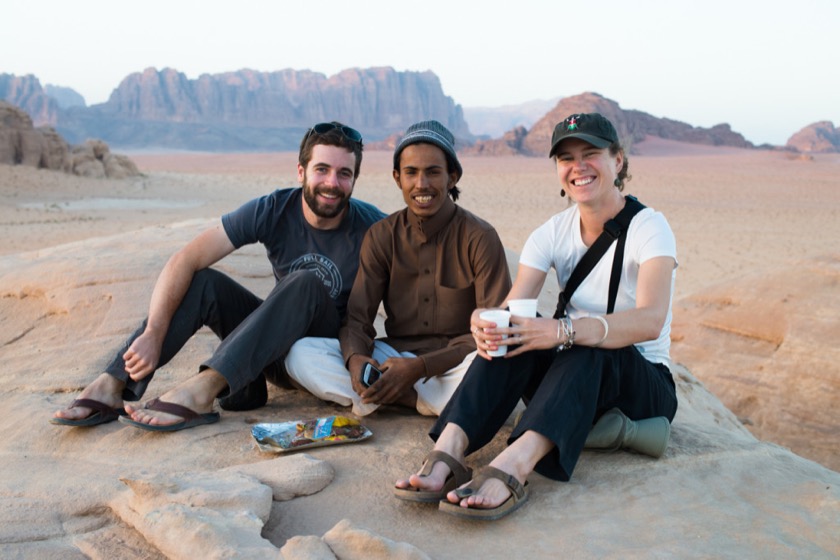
x=603, y=355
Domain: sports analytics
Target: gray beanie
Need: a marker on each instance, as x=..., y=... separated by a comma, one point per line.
x=429, y=132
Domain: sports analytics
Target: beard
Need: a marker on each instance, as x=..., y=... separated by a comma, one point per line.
x=310, y=195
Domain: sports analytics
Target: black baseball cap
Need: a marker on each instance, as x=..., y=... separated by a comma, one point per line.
x=593, y=128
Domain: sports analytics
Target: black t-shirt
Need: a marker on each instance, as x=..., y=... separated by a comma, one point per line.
x=276, y=220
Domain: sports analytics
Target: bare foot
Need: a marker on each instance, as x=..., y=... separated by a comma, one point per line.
x=432, y=483
x=197, y=394
x=408, y=399
x=453, y=442
x=105, y=389
x=493, y=492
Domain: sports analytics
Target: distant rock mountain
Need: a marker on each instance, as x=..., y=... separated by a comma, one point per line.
x=493, y=122
x=820, y=137
x=249, y=110
x=65, y=96
x=632, y=126
x=26, y=92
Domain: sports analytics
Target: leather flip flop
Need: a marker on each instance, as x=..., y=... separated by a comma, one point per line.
x=518, y=497
x=459, y=475
x=102, y=414
x=190, y=417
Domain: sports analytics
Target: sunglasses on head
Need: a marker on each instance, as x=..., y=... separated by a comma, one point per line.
x=324, y=127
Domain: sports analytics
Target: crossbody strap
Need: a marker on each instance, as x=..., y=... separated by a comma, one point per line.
x=616, y=228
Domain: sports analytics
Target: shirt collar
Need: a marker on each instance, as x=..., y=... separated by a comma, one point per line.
x=428, y=227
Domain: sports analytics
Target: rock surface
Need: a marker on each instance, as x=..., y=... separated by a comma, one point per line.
x=75, y=280
x=250, y=110
x=632, y=126
x=26, y=92
x=716, y=488
x=65, y=97
x=821, y=137
x=43, y=148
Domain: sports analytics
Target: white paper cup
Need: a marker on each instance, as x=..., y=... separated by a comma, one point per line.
x=502, y=320
x=523, y=307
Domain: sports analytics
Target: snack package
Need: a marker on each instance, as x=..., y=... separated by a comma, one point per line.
x=303, y=434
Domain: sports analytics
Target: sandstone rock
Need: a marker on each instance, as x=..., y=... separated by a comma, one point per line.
x=65, y=96
x=290, y=476
x=119, y=166
x=777, y=323
x=98, y=147
x=221, y=515
x=26, y=92
x=509, y=144
x=349, y=542
x=632, y=126
x=94, y=159
x=307, y=547
x=44, y=148
x=85, y=164
x=199, y=515
x=250, y=110
x=55, y=153
x=29, y=147
x=717, y=490
x=22, y=144
x=118, y=541
x=819, y=137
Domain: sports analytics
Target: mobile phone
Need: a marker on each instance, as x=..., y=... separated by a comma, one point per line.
x=370, y=375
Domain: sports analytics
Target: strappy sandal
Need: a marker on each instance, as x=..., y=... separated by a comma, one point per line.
x=518, y=496
x=459, y=474
x=190, y=417
x=101, y=413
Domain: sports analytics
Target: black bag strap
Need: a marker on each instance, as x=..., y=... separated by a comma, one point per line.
x=615, y=228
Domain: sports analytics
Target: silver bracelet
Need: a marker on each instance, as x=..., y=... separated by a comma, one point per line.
x=568, y=333
x=606, y=330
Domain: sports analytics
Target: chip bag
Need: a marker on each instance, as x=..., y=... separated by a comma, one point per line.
x=303, y=434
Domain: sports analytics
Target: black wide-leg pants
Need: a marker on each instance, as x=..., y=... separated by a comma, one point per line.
x=565, y=392
x=256, y=334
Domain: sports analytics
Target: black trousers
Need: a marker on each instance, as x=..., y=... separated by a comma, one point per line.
x=565, y=393
x=256, y=335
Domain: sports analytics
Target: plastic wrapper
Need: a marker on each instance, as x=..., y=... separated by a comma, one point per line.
x=303, y=434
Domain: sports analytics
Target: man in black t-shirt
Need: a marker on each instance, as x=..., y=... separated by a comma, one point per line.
x=312, y=237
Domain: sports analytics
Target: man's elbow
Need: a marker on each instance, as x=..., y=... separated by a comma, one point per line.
x=183, y=259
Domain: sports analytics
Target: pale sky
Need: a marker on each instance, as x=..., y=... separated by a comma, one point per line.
x=766, y=67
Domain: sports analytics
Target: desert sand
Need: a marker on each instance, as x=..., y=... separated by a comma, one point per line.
x=750, y=471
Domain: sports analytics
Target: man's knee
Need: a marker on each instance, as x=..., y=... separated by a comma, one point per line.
x=309, y=349
x=207, y=280
x=301, y=284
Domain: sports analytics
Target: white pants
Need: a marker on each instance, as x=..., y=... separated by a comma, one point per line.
x=318, y=366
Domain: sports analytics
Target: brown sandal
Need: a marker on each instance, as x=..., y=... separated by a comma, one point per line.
x=518, y=496
x=459, y=475
x=190, y=417
x=101, y=414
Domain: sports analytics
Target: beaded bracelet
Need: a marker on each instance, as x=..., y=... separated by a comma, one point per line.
x=606, y=330
x=565, y=323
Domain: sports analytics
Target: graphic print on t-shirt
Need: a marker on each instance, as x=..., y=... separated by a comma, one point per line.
x=326, y=270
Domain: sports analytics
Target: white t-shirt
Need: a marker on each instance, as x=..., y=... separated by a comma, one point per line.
x=558, y=244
